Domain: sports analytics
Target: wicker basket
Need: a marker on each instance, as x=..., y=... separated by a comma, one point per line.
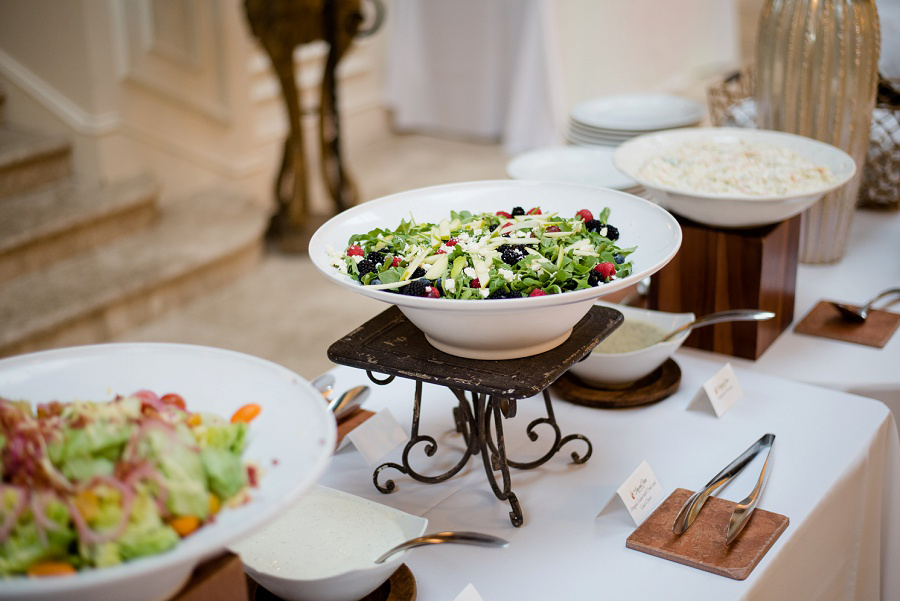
x=731, y=104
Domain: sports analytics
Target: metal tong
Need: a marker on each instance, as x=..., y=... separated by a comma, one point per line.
x=744, y=509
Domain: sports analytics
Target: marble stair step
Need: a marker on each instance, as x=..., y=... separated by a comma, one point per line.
x=195, y=245
x=29, y=160
x=60, y=220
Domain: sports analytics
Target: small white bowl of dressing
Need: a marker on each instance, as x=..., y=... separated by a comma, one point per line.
x=633, y=351
x=323, y=548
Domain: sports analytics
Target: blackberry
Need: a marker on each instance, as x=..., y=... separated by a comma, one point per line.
x=365, y=266
x=618, y=258
x=416, y=288
x=595, y=278
x=501, y=293
x=518, y=211
x=511, y=256
x=375, y=257
x=493, y=226
x=612, y=232
x=419, y=272
x=593, y=225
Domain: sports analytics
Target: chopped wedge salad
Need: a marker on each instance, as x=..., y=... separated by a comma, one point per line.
x=93, y=484
x=512, y=254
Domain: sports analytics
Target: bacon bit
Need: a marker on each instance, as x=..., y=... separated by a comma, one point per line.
x=50, y=568
x=274, y=461
x=252, y=476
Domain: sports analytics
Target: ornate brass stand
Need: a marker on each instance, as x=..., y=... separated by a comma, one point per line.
x=486, y=393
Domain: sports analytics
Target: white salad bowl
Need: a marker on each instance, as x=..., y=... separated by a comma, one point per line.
x=618, y=370
x=323, y=548
x=732, y=210
x=502, y=328
x=291, y=442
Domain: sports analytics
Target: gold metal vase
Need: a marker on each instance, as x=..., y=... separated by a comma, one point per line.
x=817, y=75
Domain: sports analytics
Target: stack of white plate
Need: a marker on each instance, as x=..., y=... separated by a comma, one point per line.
x=611, y=120
x=590, y=166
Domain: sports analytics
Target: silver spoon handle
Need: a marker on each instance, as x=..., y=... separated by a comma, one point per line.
x=465, y=538
x=880, y=296
x=720, y=317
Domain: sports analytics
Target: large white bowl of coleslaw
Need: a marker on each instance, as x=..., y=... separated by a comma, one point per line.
x=286, y=446
x=733, y=177
x=500, y=328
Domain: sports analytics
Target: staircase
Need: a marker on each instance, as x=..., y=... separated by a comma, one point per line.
x=81, y=262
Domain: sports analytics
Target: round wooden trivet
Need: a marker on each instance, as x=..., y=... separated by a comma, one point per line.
x=401, y=586
x=655, y=387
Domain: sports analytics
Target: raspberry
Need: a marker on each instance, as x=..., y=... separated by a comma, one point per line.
x=375, y=257
x=432, y=292
x=451, y=242
x=365, y=266
x=552, y=228
x=585, y=214
x=475, y=283
x=535, y=211
x=518, y=211
x=395, y=262
x=606, y=270
x=504, y=214
x=355, y=250
x=537, y=292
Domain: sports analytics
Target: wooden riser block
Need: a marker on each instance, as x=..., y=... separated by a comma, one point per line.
x=722, y=269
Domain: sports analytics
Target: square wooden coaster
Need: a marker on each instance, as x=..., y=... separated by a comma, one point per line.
x=824, y=320
x=702, y=546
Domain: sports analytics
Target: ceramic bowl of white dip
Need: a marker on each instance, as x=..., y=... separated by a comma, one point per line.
x=734, y=177
x=324, y=547
x=633, y=351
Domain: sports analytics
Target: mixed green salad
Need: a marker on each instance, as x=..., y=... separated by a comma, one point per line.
x=93, y=484
x=488, y=255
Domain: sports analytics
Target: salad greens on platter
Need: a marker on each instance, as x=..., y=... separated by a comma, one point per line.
x=93, y=484
x=488, y=256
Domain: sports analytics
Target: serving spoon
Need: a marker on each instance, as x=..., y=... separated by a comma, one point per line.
x=721, y=317
x=460, y=537
x=859, y=314
x=349, y=402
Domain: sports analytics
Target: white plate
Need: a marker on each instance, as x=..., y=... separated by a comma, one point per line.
x=589, y=166
x=638, y=112
x=502, y=328
x=291, y=440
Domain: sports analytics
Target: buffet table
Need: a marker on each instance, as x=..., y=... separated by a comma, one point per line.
x=871, y=264
x=835, y=475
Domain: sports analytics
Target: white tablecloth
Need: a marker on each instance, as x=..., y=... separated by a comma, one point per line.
x=835, y=474
x=871, y=264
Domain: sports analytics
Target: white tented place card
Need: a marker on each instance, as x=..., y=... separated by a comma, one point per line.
x=469, y=594
x=377, y=436
x=722, y=390
x=640, y=493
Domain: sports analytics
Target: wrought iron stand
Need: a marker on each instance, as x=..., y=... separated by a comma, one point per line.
x=486, y=393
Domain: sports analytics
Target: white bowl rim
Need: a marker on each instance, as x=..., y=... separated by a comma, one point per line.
x=495, y=305
x=181, y=554
x=688, y=133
